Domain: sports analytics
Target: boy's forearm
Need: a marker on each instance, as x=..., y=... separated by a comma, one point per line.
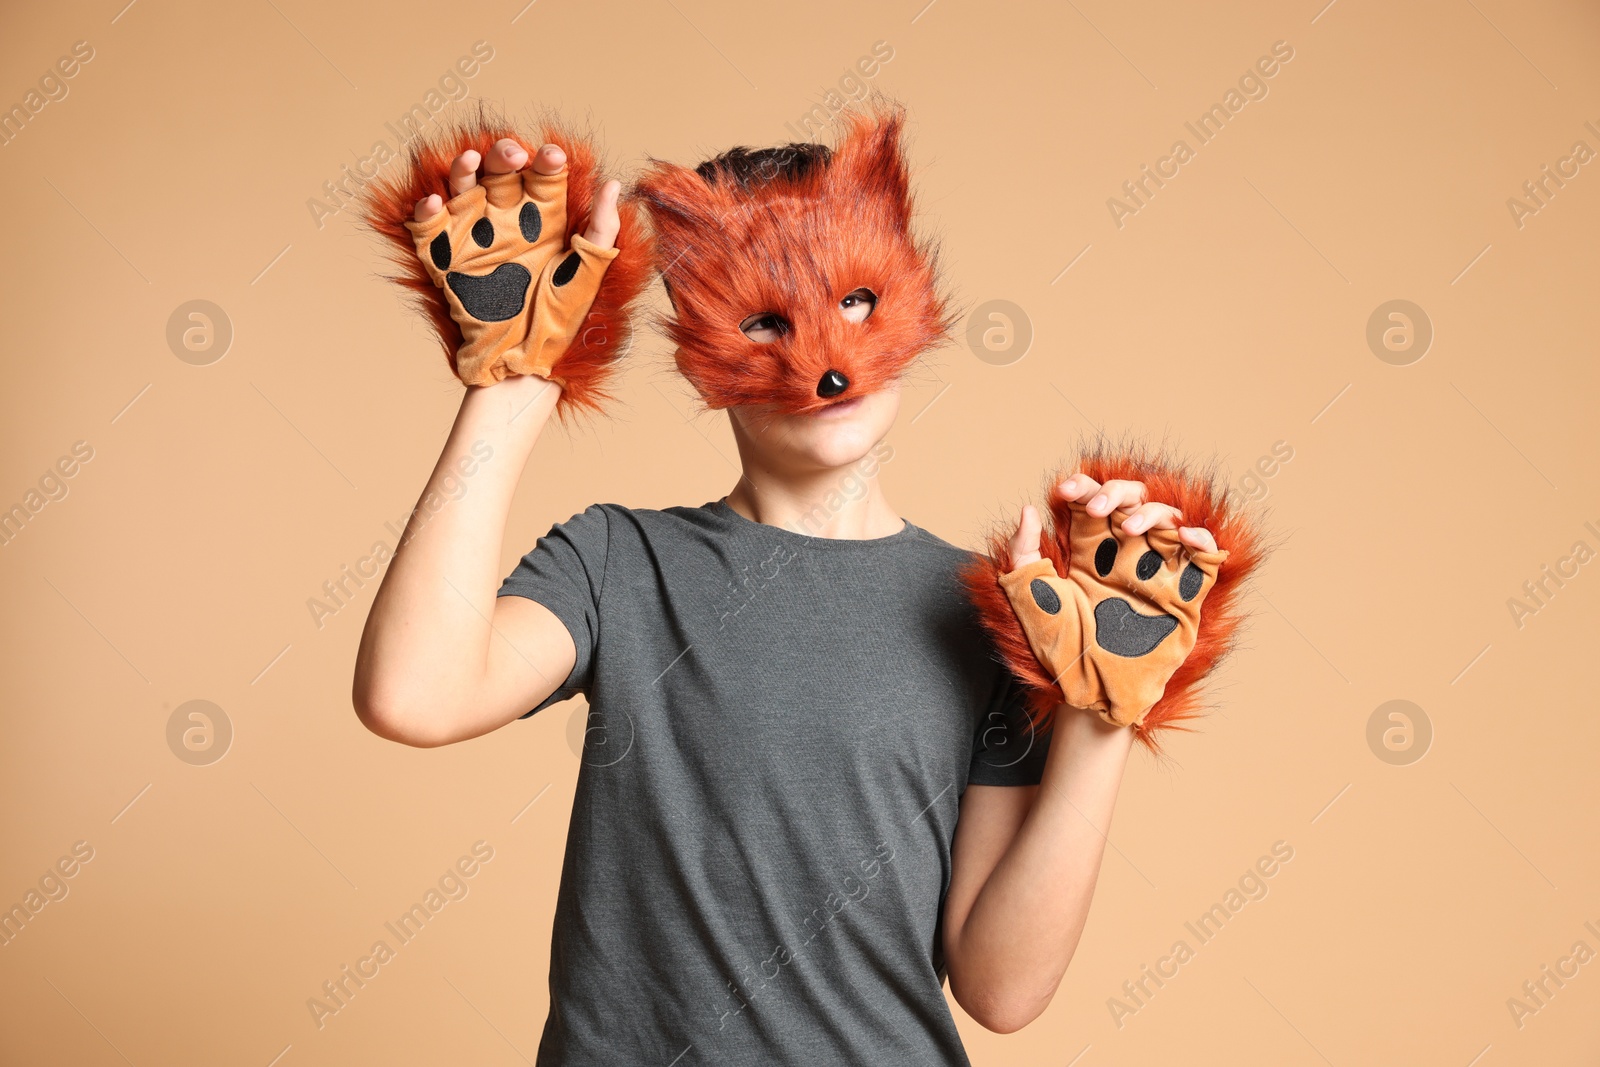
x=425, y=645
x=1025, y=923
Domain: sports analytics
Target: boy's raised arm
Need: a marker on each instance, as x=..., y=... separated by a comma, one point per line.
x=442, y=659
x=531, y=311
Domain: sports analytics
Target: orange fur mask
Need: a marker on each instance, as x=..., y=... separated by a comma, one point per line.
x=730, y=246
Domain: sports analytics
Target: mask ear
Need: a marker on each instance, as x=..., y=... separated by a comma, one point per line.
x=680, y=201
x=869, y=166
x=683, y=209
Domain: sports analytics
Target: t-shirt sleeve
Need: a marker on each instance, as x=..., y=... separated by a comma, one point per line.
x=1006, y=749
x=566, y=572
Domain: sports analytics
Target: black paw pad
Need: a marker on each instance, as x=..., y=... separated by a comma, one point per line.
x=492, y=297
x=1124, y=632
x=439, y=250
x=483, y=233
x=1105, y=557
x=1147, y=566
x=1190, y=582
x=532, y=225
x=1044, y=596
x=567, y=271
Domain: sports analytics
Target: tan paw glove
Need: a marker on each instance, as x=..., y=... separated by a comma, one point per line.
x=496, y=252
x=1123, y=618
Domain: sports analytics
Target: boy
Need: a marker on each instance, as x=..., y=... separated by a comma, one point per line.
x=811, y=792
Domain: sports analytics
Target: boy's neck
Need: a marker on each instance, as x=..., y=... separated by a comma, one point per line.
x=841, y=503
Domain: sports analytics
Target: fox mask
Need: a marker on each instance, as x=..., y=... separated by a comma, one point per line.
x=794, y=245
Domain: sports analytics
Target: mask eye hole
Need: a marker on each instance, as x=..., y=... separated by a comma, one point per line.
x=858, y=305
x=765, y=327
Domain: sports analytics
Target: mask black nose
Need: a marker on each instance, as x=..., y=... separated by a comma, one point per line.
x=832, y=384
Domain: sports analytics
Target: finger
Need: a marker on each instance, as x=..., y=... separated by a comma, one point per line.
x=505, y=157
x=1198, y=538
x=504, y=178
x=428, y=207
x=464, y=171
x=550, y=159
x=604, y=222
x=1025, y=542
x=1078, y=487
x=545, y=183
x=1115, y=494
x=569, y=285
x=1154, y=516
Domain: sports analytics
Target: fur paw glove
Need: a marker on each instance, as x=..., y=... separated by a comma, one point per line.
x=495, y=251
x=1113, y=629
x=1128, y=625
x=504, y=272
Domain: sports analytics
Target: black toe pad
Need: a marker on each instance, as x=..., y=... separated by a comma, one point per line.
x=1044, y=596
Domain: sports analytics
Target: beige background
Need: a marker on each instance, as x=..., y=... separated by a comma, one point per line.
x=1229, y=313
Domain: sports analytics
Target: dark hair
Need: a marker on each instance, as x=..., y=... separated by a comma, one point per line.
x=755, y=166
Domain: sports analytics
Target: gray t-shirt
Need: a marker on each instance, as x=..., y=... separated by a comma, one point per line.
x=780, y=731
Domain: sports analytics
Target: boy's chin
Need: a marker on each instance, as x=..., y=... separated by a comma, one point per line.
x=837, y=436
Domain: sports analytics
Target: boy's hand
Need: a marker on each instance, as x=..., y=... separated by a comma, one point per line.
x=495, y=250
x=1114, y=629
